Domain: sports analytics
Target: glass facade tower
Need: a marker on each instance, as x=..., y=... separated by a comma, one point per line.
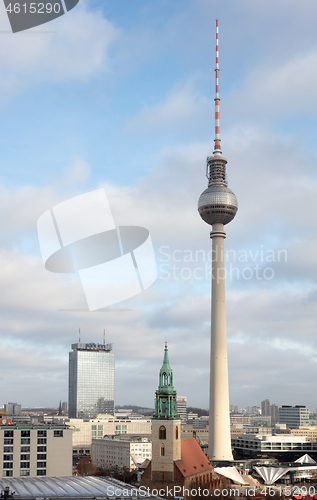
x=91, y=380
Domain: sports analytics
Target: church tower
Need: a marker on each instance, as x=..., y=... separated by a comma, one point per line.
x=166, y=426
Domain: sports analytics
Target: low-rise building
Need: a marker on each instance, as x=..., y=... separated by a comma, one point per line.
x=85, y=430
x=286, y=447
x=118, y=452
x=35, y=450
x=309, y=431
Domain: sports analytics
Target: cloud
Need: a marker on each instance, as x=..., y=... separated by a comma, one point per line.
x=44, y=309
x=182, y=104
x=278, y=89
x=75, y=47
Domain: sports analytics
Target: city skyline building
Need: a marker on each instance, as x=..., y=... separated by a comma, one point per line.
x=218, y=206
x=293, y=416
x=181, y=405
x=91, y=380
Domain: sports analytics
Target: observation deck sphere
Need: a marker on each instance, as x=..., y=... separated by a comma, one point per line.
x=217, y=204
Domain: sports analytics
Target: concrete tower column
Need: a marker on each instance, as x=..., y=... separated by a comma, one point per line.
x=219, y=421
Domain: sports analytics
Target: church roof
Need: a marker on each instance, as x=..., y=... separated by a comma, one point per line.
x=193, y=459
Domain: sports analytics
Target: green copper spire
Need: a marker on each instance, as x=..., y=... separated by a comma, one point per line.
x=165, y=404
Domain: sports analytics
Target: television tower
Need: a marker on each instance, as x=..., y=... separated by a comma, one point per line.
x=217, y=206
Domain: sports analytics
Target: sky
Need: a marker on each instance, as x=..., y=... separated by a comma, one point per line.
x=119, y=94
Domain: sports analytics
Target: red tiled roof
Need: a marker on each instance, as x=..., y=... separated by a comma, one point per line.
x=194, y=460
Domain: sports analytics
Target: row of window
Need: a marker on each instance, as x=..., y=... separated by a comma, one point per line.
x=40, y=456
x=24, y=465
x=24, y=472
x=7, y=441
x=40, y=434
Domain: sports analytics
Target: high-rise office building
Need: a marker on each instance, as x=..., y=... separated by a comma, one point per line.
x=266, y=408
x=91, y=380
x=275, y=414
x=13, y=408
x=293, y=416
x=181, y=406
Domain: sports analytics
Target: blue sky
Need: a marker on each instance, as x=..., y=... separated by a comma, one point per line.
x=119, y=94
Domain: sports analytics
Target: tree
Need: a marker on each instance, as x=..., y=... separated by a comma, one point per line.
x=86, y=467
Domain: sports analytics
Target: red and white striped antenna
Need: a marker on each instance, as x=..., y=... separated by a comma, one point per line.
x=217, y=150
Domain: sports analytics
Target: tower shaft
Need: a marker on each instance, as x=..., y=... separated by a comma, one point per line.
x=219, y=421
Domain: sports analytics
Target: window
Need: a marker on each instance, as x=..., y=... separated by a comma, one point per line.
x=162, y=451
x=93, y=433
x=7, y=457
x=118, y=427
x=24, y=465
x=41, y=456
x=25, y=457
x=100, y=433
x=41, y=440
x=25, y=434
x=42, y=448
x=25, y=449
x=8, y=441
x=100, y=427
x=25, y=440
x=7, y=473
x=8, y=449
x=8, y=465
x=42, y=433
x=8, y=434
x=124, y=427
x=58, y=434
x=41, y=472
x=162, y=432
x=41, y=465
x=93, y=427
x=24, y=472
x=176, y=432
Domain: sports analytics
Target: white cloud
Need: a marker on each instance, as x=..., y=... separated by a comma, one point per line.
x=182, y=104
x=74, y=47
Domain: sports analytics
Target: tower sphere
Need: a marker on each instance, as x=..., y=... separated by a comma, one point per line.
x=217, y=204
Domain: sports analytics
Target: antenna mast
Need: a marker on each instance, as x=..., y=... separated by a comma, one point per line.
x=104, y=337
x=79, y=336
x=217, y=150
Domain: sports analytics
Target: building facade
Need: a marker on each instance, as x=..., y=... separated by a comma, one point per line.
x=294, y=416
x=181, y=406
x=91, y=380
x=35, y=451
x=284, y=447
x=109, y=452
x=12, y=409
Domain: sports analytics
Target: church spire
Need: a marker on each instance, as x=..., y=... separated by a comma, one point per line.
x=166, y=372
x=165, y=404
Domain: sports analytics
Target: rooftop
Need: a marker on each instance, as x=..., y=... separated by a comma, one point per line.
x=70, y=487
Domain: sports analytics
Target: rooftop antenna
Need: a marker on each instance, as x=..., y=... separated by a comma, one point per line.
x=217, y=150
x=104, y=337
x=79, y=336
